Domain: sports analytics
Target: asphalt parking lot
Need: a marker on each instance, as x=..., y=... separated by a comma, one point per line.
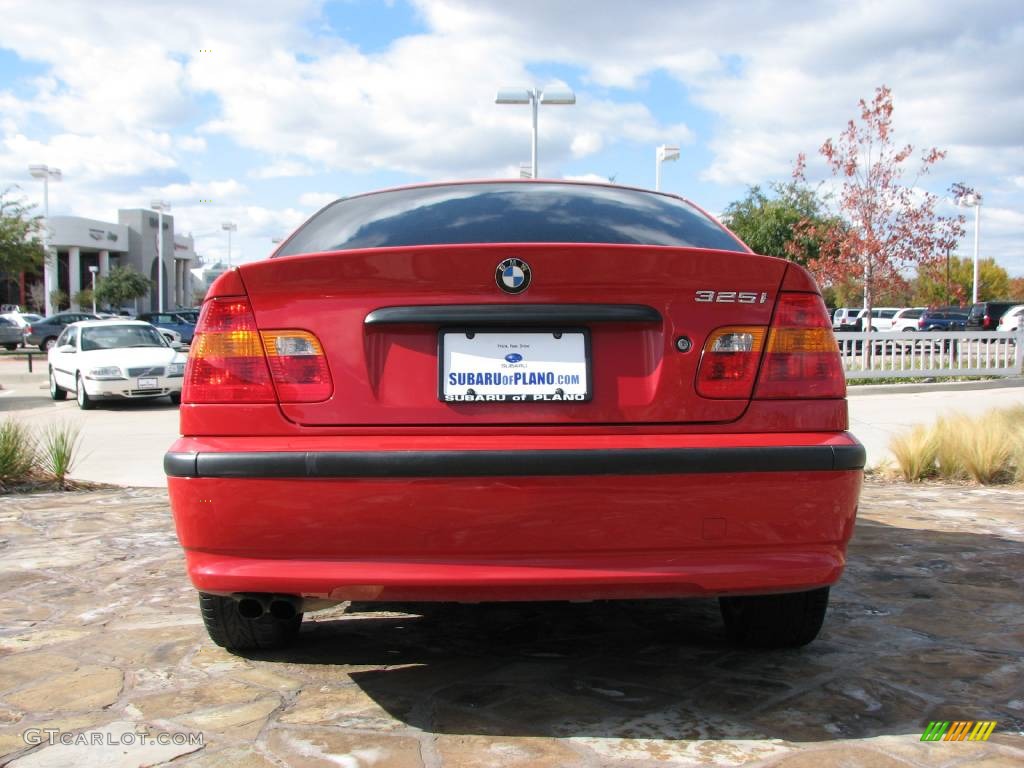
x=100, y=634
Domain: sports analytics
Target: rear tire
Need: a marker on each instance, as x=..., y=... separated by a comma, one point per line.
x=775, y=621
x=175, y=398
x=10, y=347
x=228, y=629
x=47, y=343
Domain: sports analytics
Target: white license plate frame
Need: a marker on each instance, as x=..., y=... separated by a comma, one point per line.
x=149, y=382
x=517, y=391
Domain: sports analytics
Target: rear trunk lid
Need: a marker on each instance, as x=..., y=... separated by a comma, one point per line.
x=381, y=313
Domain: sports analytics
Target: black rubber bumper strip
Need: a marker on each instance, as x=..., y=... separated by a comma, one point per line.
x=517, y=314
x=643, y=461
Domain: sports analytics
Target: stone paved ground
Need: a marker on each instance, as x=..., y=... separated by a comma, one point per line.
x=99, y=635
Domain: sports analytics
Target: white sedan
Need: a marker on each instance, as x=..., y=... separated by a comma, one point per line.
x=1011, y=319
x=106, y=359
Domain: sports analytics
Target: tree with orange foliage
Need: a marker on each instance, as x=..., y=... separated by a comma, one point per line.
x=888, y=225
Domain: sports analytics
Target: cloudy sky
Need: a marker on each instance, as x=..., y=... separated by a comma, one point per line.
x=261, y=112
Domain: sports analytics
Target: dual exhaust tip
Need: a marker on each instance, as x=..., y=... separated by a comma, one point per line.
x=280, y=607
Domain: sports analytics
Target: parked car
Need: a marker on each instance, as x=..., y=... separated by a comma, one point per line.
x=188, y=315
x=12, y=335
x=906, y=319
x=171, y=321
x=985, y=315
x=845, y=318
x=943, y=319
x=1011, y=319
x=881, y=318
x=122, y=359
x=526, y=419
x=44, y=333
x=23, y=318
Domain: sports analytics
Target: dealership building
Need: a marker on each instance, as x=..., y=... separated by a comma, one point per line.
x=82, y=243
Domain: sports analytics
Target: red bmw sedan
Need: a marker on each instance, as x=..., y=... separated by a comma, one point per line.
x=509, y=390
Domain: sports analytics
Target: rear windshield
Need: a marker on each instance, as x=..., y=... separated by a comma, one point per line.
x=508, y=213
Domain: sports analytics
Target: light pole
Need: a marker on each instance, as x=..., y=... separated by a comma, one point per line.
x=46, y=173
x=160, y=206
x=663, y=154
x=229, y=227
x=973, y=200
x=535, y=97
x=94, y=270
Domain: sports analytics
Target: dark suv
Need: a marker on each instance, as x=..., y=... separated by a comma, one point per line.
x=943, y=319
x=984, y=316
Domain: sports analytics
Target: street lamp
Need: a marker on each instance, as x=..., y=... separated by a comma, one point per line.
x=160, y=206
x=663, y=154
x=94, y=270
x=535, y=97
x=46, y=173
x=229, y=227
x=973, y=200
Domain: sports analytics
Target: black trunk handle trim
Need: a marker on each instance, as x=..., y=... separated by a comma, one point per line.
x=519, y=314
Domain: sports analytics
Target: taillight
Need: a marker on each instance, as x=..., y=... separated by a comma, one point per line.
x=987, y=322
x=230, y=361
x=920, y=322
x=801, y=356
x=226, y=362
x=728, y=364
x=297, y=365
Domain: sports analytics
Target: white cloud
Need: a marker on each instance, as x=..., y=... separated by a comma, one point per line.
x=775, y=78
x=191, y=143
x=594, y=178
x=317, y=200
x=282, y=169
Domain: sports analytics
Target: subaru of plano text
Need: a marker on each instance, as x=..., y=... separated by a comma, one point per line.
x=513, y=391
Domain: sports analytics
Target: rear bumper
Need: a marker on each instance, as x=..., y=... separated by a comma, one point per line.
x=460, y=518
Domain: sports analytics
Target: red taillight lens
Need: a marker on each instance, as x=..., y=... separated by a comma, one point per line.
x=920, y=322
x=297, y=365
x=728, y=364
x=802, y=357
x=230, y=361
x=226, y=362
x=988, y=321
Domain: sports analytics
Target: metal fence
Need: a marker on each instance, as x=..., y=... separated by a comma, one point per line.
x=876, y=354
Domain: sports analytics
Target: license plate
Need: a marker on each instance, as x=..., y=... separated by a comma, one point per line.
x=148, y=384
x=507, y=366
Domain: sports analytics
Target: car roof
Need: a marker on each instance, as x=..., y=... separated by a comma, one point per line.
x=106, y=323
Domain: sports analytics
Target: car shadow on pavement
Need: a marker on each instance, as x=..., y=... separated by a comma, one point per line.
x=925, y=625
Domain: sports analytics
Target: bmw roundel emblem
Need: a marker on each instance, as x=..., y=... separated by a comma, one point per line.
x=513, y=275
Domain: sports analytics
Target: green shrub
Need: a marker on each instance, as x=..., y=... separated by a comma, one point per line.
x=59, y=451
x=17, y=453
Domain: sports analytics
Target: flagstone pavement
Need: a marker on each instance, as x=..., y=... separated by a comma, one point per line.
x=100, y=638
